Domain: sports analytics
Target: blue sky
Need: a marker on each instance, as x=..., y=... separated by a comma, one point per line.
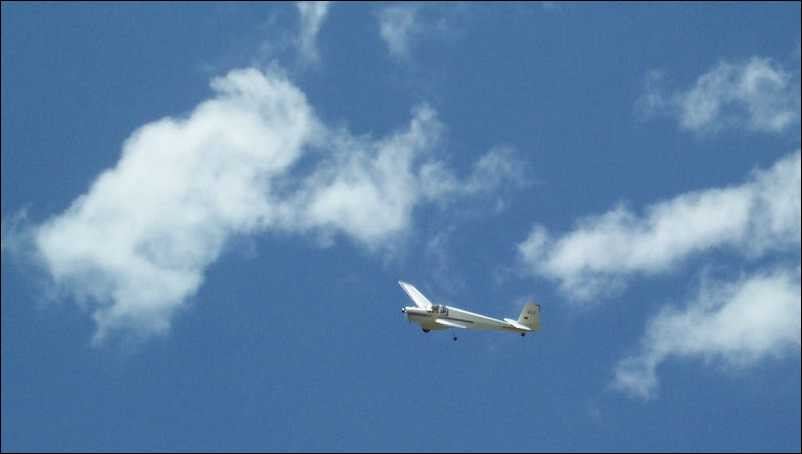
x=206, y=208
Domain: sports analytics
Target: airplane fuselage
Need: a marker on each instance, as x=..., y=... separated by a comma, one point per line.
x=427, y=319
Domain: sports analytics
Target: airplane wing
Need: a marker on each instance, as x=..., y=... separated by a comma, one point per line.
x=416, y=296
x=449, y=323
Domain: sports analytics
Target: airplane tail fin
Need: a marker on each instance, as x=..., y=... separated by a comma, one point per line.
x=530, y=316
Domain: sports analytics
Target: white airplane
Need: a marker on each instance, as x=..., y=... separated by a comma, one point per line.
x=438, y=316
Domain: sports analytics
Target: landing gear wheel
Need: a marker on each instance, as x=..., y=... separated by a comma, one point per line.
x=425, y=330
x=455, y=338
x=523, y=334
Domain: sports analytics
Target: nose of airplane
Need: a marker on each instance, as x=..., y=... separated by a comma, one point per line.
x=403, y=310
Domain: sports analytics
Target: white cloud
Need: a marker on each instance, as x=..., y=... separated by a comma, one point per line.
x=137, y=243
x=135, y=247
x=759, y=95
x=367, y=189
x=398, y=26
x=312, y=16
x=757, y=216
x=738, y=324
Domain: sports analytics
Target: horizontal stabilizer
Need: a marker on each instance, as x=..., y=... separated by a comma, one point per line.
x=517, y=325
x=449, y=323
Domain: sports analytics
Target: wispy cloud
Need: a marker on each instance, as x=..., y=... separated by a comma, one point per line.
x=368, y=189
x=398, y=26
x=404, y=26
x=758, y=95
x=498, y=168
x=3, y=236
x=312, y=15
x=735, y=323
x=597, y=257
x=738, y=324
x=12, y=232
x=135, y=247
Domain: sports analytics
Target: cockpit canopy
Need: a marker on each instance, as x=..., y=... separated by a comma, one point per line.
x=439, y=309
